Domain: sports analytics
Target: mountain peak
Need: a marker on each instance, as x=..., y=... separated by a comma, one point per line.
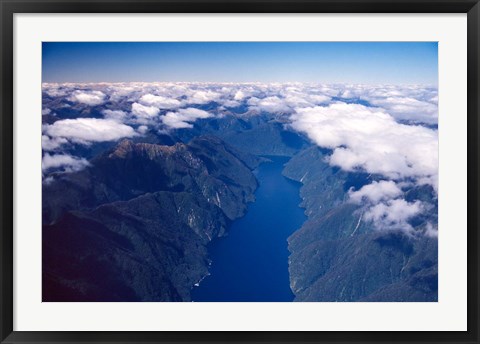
x=127, y=147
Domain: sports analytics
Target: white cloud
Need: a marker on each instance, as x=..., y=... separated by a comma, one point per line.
x=303, y=96
x=144, y=113
x=183, y=118
x=122, y=91
x=272, y=104
x=407, y=103
x=285, y=98
x=117, y=115
x=204, y=97
x=50, y=144
x=55, y=91
x=160, y=102
x=318, y=98
x=67, y=162
x=46, y=111
x=242, y=92
x=394, y=214
x=239, y=95
x=375, y=192
x=91, y=98
x=86, y=130
x=429, y=180
x=369, y=139
x=409, y=109
x=142, y=129
x=431, y=230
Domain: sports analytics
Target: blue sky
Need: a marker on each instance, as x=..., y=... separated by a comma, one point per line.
x=322, y=62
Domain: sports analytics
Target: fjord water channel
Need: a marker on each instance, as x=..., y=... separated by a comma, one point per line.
x=250, y=264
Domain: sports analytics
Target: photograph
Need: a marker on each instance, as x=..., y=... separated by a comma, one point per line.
x=239, y=171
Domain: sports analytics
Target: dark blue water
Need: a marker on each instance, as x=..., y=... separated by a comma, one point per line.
x=251, y=263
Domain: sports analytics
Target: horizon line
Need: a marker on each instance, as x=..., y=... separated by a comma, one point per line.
x=236, y=83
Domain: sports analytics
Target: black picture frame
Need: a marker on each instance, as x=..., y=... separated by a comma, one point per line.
x=9, y=7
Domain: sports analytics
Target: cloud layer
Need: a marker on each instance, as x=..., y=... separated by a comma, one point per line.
x=160, y=102
x=368, y=139
x=386, y=130
x=87, y=130
x=91, y=98
x=66, y=162
x=394, y=214
x=375, y=192
x=183, y=118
